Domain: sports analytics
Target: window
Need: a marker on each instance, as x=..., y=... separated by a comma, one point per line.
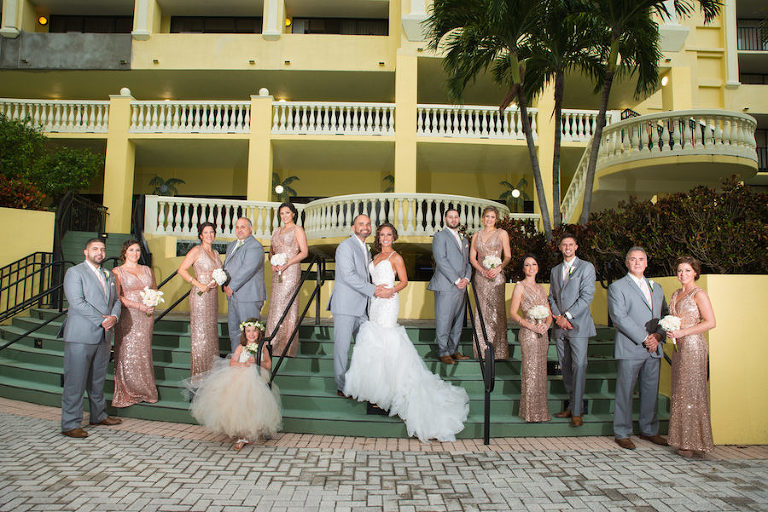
x=91, y=24
x=216, y=24
x=347, y=26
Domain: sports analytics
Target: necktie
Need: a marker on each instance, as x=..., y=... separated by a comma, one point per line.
x=566, y=271
x=646, y=292
x=102, y=280
x=237, y=246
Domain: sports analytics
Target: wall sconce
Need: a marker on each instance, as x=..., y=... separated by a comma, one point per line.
x=279, y=189
x=287, y=63
x=664, y=81
x=515, y=193
x=42, y=20
x=288, y=22
x=251, y=61
x=155, y=61
x=381, y=63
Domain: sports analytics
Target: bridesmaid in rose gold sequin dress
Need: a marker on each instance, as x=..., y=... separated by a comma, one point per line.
x=203, y=300
x=534, y=342
x=134, y=373
x=489, y=283
x=291, y=241
x=690, y=428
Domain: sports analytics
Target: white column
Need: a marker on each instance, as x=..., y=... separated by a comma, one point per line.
x=731, y=46
x=274, y=19
x=141, y=24
x=412, y=19
x=10, y=26
x=672, y=34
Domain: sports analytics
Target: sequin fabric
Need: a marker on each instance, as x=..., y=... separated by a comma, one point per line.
x=284, y=241
x=203, y=316
x=134, y=373
x=690, y=427
x=533, y=346
x=491, y=299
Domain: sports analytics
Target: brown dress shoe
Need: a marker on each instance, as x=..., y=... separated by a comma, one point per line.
x=625, y=443
x=656, y=439
x=576, y=421
x=108, y=421
x=565, y=414
x=77, y=433
x=447, y=360
x=459, y=356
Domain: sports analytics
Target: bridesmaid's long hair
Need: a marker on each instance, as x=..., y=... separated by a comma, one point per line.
x=125, y=247
x=534, y=258
x=376, y=243
x=290, y=206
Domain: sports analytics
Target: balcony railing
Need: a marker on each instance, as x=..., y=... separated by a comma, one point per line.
x=679, y=133
x=579, y=125
x=53, y=116
x=411, y=214
x=748, y=38
x=471, y=122
x=190, y=116
x=333, y=118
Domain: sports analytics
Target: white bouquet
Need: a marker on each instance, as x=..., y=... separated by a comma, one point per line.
x=151, y=298
x=670, y=323
x=538, y=313
x=490, y=262
x=252, y=348
x=277, y=260
x=219, y=275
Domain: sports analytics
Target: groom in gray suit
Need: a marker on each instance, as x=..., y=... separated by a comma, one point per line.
x=452, y=273
x=94, y=309
x=245, y=287
x=571, y=289
x=351, y=291
x=636, y=304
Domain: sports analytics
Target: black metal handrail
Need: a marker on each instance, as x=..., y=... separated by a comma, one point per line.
x=487, y=362
x=267, y=340
x=27, y=282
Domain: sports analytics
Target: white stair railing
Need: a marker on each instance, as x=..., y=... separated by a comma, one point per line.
x=64, y=116
x=333, y=118
x=579, y=125
x=190, y=116
x=471, y=122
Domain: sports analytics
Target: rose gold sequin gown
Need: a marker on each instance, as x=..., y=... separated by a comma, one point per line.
x=533, y=396
x=284, y=242
x=203, y=316
x=689, y=423
x=134, y=374
x=491, y=297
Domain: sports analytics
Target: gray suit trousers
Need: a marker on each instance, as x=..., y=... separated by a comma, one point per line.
x=628, y=371
x=238, y=312
x=345, y=328
x=85, y=369
x=449, y=310
x=572, y=353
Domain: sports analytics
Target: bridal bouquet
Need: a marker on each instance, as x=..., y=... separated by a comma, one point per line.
x=151, y=298
x=252, y=348
x=538, y=313
x=490, y=262
x=278, y=260
x=219, y=275
x=670, y=323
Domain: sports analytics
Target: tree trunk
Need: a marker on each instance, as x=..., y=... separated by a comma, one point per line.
x=559, y=87
x=590, y=179
x=534, y=164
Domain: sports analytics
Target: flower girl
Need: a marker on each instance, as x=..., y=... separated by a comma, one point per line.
x=234, y=398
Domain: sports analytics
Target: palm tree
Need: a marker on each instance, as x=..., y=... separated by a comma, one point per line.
x=490, y=34
x=286, y=192
x=390, y=181
x=508, y=196
x=561, y=43
x=165, y=187
x=630, y=45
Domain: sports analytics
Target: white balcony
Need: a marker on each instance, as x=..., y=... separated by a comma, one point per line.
x=190, y=116
x=58, y=116
x=333, y=118
x=475, y=122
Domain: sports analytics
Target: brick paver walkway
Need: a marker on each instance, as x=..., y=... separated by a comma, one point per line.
x=144, y=465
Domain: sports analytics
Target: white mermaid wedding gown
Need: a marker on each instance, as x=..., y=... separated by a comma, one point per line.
x=386, y=370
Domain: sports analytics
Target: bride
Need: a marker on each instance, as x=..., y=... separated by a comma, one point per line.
x=386, y=369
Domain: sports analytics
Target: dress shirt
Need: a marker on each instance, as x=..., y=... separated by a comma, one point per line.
x=643, y=284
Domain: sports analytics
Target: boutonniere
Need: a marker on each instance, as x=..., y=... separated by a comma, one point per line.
x=650, y=284
x=368, y=247
x=572, y=269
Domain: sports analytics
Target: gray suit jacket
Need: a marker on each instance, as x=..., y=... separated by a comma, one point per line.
x=574, y=297
x=245, y=268
x=352, y=286
x=451, y=263
x=88, y=305
x=634, y=318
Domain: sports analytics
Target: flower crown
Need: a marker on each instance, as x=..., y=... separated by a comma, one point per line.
x=257, y=324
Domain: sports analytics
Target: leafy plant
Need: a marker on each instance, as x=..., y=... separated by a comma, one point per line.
x=21, y=148
x=288, y=191
x=165, y=187
x=17, y=193
x=390, y=181
x=515, y=204
x=67, y=169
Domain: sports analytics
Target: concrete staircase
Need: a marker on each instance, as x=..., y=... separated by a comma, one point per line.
x=31, y=370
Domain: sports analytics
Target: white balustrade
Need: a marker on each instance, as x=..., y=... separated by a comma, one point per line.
x=333, y=118
x=180, y=216
x=471, y=122
x=579, y=125
x=63, y=116
x=677, y=133
x=190, y=116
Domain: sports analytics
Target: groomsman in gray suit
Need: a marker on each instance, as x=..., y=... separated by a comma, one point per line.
x=452, y=273
x=571, y=289
x=351, y=291
x=636, y=304
x=245, y=287
x=94, y=309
